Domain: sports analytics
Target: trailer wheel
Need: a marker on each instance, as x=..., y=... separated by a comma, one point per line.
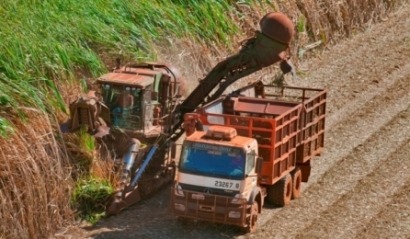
x=281, y=192
x=253, y=217
x=296, y=183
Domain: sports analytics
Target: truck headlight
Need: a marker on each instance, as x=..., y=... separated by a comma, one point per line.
x=178, y=191
x=234, y=214
x=179, y=207
x=238, y=199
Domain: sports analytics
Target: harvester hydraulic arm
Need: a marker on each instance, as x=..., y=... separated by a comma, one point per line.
x=267, y=47
x=257, y=53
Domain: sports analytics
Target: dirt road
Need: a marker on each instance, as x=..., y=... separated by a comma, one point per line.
x=360, y=186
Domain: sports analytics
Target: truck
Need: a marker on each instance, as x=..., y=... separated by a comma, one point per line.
x=137, y=111
x=245, y=148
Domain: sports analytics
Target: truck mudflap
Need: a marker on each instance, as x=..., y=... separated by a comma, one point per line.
x=213, y=208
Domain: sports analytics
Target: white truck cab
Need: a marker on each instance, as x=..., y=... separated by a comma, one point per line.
x=217, y=178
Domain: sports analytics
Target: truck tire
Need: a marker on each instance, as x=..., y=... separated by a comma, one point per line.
x=253, y=217
x=296, y=183
x=281, y=192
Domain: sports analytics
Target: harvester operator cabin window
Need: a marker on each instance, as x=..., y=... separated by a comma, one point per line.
x=124, y=103
x=125, y=100
x=107, y=94
x=136, y=92
x=122, y=98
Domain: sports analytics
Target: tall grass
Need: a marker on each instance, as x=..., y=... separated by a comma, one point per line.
x=43, y=41
x=5, y=128
x=34, y=179
x=90, y=196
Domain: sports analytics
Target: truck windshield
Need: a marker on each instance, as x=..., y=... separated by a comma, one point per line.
x=212, y=160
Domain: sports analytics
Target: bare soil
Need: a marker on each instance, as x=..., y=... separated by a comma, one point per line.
x=360, y=186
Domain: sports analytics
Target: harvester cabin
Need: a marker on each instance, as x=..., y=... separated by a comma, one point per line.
x=137, y=98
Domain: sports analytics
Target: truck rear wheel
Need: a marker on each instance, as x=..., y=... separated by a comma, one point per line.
x=253, y=217
x=281, y=192
x=296, y=183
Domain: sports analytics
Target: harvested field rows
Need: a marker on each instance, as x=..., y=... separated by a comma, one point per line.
x=351, y=212
x=394, y=219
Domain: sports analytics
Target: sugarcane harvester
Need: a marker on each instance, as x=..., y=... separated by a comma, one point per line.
x=139, y=110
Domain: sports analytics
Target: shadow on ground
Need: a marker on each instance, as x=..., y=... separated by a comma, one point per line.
x=152, y=218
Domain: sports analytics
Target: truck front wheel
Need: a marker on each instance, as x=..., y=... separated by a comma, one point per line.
x=253, y=217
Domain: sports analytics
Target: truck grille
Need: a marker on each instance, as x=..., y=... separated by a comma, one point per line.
x=207, y=190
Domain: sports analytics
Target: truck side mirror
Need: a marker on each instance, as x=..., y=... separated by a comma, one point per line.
x=173, y=150
x=259, y=161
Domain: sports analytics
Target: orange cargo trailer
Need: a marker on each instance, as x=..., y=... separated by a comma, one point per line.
x=275, y=130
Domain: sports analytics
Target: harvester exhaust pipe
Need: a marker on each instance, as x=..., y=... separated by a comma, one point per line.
x=117, y=63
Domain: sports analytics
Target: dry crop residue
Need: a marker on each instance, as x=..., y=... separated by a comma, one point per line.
x=360, y=186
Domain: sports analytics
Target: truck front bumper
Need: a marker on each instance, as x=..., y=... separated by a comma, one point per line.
x=213, y=208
